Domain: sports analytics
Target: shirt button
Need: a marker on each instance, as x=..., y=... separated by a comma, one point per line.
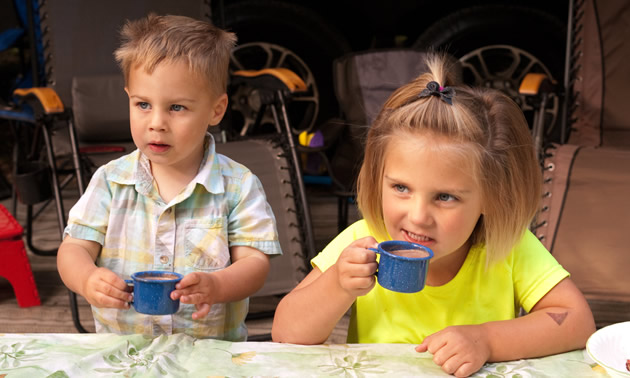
x=164, y=259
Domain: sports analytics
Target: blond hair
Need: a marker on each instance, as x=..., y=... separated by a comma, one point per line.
x=492, y=130
x=154, y=39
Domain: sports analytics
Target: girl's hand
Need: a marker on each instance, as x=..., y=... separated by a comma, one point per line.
x=196, y=288
x=356, y=267
x=103, y=288
x=459, y=350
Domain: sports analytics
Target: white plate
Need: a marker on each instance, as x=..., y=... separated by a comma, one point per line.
x=610, y=348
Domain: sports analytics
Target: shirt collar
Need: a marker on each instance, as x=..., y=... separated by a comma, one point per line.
x=209, y=174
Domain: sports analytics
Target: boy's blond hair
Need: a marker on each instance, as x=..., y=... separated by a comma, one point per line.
x=155, y=39
x=488, y=127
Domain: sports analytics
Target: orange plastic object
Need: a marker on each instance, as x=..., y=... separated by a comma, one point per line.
x=47, y=97
x=15, y=266
x=292, y=81
x=531, y=83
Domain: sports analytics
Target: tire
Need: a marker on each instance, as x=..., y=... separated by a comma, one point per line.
x=304, y=35
x=532, y=30
x=495, y=34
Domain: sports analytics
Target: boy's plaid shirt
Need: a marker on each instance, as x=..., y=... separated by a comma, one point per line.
x=223, y=206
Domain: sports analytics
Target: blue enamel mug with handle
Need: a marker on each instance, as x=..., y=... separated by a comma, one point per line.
x=402, y=265
x=152, y=292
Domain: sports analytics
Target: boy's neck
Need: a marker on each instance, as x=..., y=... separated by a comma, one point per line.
x=172, y=180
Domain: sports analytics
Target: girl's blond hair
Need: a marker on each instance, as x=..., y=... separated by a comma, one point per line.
x=154, y=39
x=493, y=131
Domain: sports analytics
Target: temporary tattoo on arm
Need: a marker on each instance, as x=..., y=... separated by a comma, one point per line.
x=558, y=318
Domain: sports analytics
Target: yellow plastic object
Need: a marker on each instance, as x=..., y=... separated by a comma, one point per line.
x=305, y=138
x=51, y=103
x=289, y=78
x=531, y=83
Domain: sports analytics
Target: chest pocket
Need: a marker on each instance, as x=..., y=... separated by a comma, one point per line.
x=206, y=244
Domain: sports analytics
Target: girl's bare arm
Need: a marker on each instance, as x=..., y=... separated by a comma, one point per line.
x=310, y=312
x=561, y=321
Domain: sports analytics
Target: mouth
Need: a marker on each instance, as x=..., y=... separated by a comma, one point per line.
x=418, y=238
x=158, y=147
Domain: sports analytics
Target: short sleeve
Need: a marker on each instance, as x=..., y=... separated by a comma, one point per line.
x=536, y=271
x=251, y=220
x=89, y=217
x=329, y=255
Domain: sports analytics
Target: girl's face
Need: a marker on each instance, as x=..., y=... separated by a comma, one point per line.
x=431, y=198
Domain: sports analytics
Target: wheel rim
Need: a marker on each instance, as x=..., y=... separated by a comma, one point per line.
x=245, y=102
x=503, y=67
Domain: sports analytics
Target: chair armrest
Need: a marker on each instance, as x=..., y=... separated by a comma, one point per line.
x=43, y=99
x=271, y=78
x=536, y=83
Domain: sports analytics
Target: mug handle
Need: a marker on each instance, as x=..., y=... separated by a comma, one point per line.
x=375, y=251
x=130, y=284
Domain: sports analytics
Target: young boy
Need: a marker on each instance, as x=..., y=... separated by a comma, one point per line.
x=173, y=204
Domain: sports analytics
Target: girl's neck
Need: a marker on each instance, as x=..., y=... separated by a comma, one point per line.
x=443, y=270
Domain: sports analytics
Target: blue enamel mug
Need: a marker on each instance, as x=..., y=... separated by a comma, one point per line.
x=402, y=266
x=152, y=292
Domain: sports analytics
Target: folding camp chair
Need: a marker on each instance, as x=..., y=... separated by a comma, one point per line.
x=35, y=113
x=585, y=216
x=81, y=38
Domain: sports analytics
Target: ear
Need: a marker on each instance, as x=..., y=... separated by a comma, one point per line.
x=127, y=90
x=218, y=110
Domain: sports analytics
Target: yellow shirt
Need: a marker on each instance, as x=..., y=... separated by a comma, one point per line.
x=475, y=295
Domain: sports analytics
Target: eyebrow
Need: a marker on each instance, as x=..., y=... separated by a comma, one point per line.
x=451, y=190
x=173, y=101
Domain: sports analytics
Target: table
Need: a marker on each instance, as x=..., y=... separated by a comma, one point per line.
x=96, y=355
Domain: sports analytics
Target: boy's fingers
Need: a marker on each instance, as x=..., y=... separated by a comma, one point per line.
x=106, y=301
x=202, y=310
x=112, y=279
x=180, y=292
x=111, y=291
x=193, y=298
x=188, y=280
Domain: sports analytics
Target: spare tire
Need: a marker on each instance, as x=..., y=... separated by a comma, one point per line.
x=280, y=34
x=498, y=45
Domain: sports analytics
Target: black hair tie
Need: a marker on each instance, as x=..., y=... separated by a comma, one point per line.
x=434, y=89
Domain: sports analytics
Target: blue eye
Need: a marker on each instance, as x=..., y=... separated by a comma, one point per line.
x=177, y=108
x=446, y=197
x=144, y=105
x=400, y=188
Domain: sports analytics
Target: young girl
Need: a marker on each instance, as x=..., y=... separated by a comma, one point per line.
x=454, y=169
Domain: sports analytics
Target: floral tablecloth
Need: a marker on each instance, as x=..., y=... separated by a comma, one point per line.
x=103, y=355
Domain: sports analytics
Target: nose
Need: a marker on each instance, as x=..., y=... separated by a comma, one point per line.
x=420, y=212
x=158, y=121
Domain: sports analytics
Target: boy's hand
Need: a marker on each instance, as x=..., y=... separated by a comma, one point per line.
x=103, y=288
x=196, y=288
x=459, y=350
x=356, y=267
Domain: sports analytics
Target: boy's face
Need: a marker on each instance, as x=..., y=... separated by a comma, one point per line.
x=170, y=110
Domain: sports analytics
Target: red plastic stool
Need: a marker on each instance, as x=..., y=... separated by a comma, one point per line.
x=15, y=266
